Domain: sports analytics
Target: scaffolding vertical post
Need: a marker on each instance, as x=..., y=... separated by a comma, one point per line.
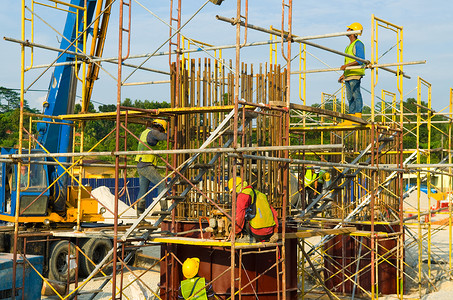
x=374, y=60
x=428, y=180
x=303, y=78
x=19, y=151
x=84, y=109
x=399, y=76
x=374, y=137
x=383, y=106
x=176, y=102
x=420, y=245
x=286, y=140
x=400, y=191
x=375, y=24
x=450, y=181
x=117, y=146
x=400, y=244
x=235, y=144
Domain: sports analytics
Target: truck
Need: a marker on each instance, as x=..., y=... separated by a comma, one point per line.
x=44, y=197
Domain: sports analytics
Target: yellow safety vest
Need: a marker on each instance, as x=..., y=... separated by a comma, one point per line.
x=263, y=214
x=310, y=177
x=190, y=286
x=354, y=72
x=150, y=158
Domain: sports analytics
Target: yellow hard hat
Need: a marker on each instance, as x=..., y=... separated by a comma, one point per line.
x=162, y=123
x=190, y=267
x=327, y=176
x=239, y=184
x=356, y=26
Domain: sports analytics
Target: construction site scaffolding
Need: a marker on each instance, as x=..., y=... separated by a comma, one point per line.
x=367, y=170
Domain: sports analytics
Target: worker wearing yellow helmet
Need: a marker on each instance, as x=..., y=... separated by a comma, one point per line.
x=193, y=287
x=255, y=218
x=156, y=131
x=352, y=77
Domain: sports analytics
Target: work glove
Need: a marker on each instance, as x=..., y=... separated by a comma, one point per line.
x=274, y=238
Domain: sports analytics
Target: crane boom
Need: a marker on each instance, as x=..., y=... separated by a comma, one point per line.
x=57, y=138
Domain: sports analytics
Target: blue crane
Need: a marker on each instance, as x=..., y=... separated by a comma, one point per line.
x=45, y=199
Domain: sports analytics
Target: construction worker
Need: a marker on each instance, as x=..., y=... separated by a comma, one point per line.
x=314, y=182
x=194, y=287
x=23, y=176
x=146, y=163
x=254, y=216
x=352, y=77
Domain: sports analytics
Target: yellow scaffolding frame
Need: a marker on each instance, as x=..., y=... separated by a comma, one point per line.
x=383, y=202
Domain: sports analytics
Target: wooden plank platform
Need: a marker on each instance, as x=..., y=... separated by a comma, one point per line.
x=327, y=112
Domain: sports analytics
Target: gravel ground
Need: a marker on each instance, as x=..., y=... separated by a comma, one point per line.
x=136, y=290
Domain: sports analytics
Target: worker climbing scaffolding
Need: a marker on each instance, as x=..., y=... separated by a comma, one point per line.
x=314, y=181
x=155, y=132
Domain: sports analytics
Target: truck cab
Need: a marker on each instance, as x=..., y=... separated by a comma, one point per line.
x=36, y=195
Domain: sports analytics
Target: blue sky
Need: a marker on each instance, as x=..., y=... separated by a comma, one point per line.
x=428, y=32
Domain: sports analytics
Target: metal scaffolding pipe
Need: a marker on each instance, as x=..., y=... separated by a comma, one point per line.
x=318, y=163
x=301, y=40
x=371, y=66
x=182, y=51
x=177, y=151
x=84, y=56
x=382, y=166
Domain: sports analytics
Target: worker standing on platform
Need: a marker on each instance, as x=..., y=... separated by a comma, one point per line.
x=352, y=77
x=314, y=182
x=254, y=216
x=147, y=163
x=194, y=287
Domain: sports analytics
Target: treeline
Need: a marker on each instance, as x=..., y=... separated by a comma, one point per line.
x=97, y=130
x=9, y=116
x=439, y=127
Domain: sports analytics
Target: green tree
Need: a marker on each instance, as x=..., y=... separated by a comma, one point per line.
x=9, y=116
x=96, y=130
x=9, y=128
x=9, y=99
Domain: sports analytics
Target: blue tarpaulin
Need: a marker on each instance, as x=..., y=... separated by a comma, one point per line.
x=132, y=188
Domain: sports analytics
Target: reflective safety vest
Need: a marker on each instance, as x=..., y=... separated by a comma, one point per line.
x=354, y=72
x=263, y=216
x=191, y=286
x=150, y=158
x=310, y=177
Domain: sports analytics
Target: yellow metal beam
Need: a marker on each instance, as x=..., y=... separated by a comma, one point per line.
x=154, y=112
x=329, y=128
